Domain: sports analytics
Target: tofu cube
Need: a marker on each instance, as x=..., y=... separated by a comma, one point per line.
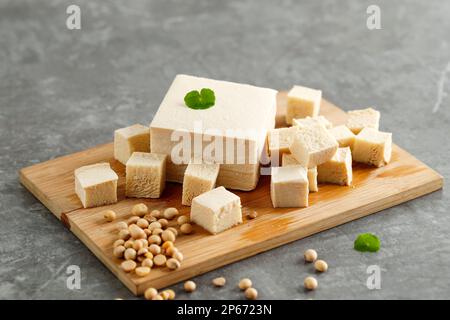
x=338, y=170
x=135, y=138
x=96, y=185
x=343, y=135
x=198, y=178
x=364, y=118
x=289, y=187
x=216, y=210
x=145, y=175
x=373, y=147
x=313, y=145
x=289, y=160
x=311, y=120
x=279, y=141
x=242, y=115
x=302, y=102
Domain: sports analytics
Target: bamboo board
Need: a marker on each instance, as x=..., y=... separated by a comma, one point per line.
x=373, y=189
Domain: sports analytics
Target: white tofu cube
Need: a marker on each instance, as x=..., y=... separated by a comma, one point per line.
x=312, y=120
x=135, y=138
x=145, y=175
x=96, y=185
x=289, y=160
x=364, y=118
x=216, y=210
x=343, y=135
x=313, y=145
x=373, y=147
x=302, y=102
x=279, y=141
x=198, y=178
x=338, y=170
x=289, y=187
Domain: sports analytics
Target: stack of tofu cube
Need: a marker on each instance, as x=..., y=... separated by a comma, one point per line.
x=312, y=151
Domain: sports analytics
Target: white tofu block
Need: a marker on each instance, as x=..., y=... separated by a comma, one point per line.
x=313, y=145
x=145, y=175
x=312, y=120
x=338, y=170
x=289, y=187
x=343, y=135
x=216, y=210
x=279, y=141
x=364, y=118
x=302, y=102
x=135, y=138
x=373, y=147
x=198, y=178
x=289, y=160
x=96, y=185
x=242, y=115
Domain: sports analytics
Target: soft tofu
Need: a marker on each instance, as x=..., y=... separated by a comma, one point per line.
x=289, y=187
x=338, y=170
x=242, y=116
x=312, y=120
x=198, y=178
x=216, y=210
x=279, y=141
x=135, y=138
x=364, y=118
x=302, y=102
x=343, y=135
x=289, y=160
x=96, y=185
x=145, y=175
x=313, y=145
x=373, y=147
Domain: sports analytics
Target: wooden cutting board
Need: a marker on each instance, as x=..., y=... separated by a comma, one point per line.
x=373, y=189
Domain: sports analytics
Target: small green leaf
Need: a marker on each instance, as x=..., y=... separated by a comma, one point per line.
x=367, y=242
x=200, y=100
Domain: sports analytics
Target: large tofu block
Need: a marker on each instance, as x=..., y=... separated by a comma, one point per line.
x=373, y=147
x=216, y=210
x=96, y=185
x=198, y=178
x=145, y=175
x=312, y=120
x=289, y=160
x=338, y=170
x=364, y=118
x=313, y=145
x=302, y=102
x=289, y=187
x=235, y=128
x=135, y=138
x=343, y=135
x=279, y=141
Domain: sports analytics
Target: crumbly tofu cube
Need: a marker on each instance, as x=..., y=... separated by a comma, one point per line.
x=135, y=138
x=311, y=120
x=313, y=145
x=338, y=170
x=289, y=187
x=216, y=210
x=241, y=114
x=96, y=185
x=373, y=147
x=364, y=118
x=289, y=160
x=198, y=178
x=302, y=102
x=145, y=175
x=279, y=141
x=343, y=135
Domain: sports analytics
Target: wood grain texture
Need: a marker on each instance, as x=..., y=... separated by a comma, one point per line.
x=373, y=189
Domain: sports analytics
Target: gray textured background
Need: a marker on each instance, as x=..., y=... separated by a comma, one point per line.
x=62, y=91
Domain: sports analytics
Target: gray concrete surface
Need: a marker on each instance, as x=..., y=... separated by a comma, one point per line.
x=62, y=91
